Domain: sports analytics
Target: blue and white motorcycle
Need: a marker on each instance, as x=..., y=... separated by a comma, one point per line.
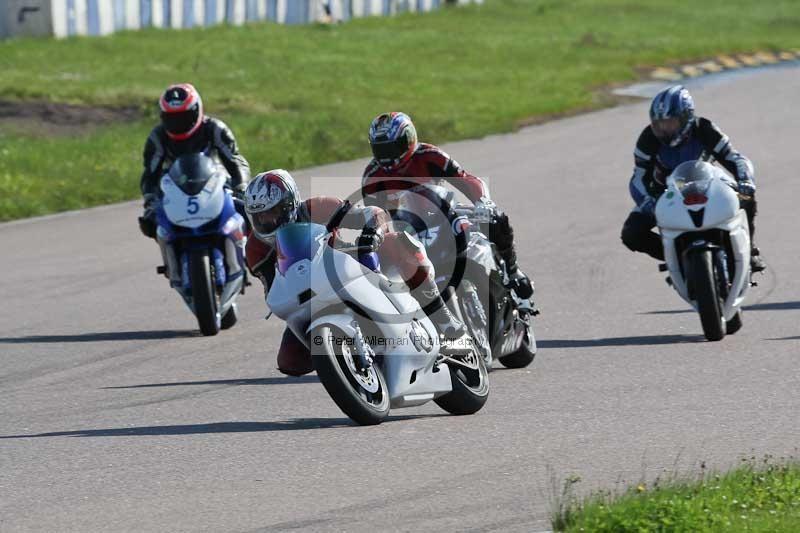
x=202, y=239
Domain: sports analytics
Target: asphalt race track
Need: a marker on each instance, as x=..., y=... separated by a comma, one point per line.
x=116, y=416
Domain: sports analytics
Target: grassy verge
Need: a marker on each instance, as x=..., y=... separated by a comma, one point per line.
x=304, y=95
x=755, y=497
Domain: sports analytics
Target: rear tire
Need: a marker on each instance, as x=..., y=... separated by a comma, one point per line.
x=204, y=296
x=230, y=318
x=734, y=324
x=709, y=305
x=344, y=384
x=470, y=389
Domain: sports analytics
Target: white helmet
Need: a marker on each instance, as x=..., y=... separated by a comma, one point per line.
x=271, y=200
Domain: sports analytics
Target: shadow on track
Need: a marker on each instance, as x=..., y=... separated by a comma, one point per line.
x=216, y=427
x=795, y=338
x=282, y=380
x=769, y=306
x=773, y=306
x=103, y=337
x=647, y=340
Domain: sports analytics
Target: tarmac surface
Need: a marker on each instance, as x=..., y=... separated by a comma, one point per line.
x=116, y=416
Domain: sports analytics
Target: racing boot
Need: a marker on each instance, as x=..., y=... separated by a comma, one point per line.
x=756, y=263
x=518, y=281
x=448, y=326
x=502, y=235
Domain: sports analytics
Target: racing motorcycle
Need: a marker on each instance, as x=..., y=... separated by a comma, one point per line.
x=204, y=237
x=706, y=244
x=373, y=347
x=471, y=274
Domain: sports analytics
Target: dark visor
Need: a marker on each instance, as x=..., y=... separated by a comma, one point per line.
x=178, y=123
x=266, y=222
x=390, y=150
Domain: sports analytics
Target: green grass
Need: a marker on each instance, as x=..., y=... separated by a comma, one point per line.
x=302, y=95
x=755, y=497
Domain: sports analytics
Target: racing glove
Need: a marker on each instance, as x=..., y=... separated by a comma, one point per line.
x=147, y=222
x=370, y=240
x=747, y=187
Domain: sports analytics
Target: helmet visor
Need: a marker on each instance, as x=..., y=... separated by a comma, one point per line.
x=390, y=151
x=666, y=129
x=265, y=223
x=181, y=122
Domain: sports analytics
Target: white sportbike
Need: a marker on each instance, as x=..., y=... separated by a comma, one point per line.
x=373, y=347
x=706, y=244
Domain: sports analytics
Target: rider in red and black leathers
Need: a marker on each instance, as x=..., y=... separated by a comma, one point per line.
x=401, y=162
x=184, y=129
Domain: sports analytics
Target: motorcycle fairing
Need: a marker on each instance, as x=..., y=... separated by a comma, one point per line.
x=721, y=212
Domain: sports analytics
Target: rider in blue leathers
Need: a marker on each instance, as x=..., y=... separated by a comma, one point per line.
x=673, y=136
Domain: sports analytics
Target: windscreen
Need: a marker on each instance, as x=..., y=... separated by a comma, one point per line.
x=191, y=172
x=295, y=242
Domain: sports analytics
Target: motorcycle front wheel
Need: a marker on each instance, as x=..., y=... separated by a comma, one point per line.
x=522, y=357
x=204, y=297
x=709, y=303
x=475, y=319
x=361, y=395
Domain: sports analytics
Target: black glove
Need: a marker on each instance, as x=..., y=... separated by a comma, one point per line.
x=370, y=240
x=747, y=187
x=238, y=191
x=147, y=222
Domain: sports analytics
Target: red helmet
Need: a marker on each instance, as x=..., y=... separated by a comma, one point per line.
x=181, y=111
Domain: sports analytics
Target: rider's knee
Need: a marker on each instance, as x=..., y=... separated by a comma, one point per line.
x=408, y=256
x=633, y=234
x=294, y=358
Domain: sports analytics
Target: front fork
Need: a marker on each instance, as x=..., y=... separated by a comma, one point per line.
x=170, y=259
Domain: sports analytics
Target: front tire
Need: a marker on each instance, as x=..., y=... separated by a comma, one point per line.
x=709, y=304
x=522, y=357
x=363, y=396
x=204, y=297
x=470, y=389
x=476, y=320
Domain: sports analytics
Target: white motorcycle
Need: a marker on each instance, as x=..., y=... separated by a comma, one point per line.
x=373, y=348
x=204, y=240
x=471, y=272
x=706, y=244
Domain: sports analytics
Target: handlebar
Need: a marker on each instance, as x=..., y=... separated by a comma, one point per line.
x=469, y=212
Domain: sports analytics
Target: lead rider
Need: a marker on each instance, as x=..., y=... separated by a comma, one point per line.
x=272, y=200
